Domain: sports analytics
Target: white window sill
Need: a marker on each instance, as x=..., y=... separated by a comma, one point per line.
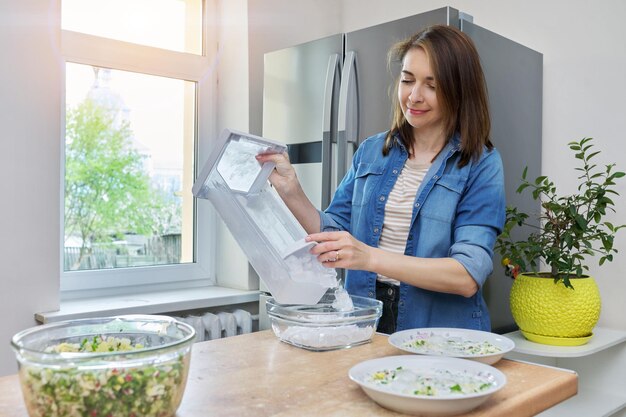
x=149, y=303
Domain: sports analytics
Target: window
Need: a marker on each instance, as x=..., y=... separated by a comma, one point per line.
x=137, y=115
x=169, y=24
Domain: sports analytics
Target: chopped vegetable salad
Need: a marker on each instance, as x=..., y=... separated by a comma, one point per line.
x=150, y=389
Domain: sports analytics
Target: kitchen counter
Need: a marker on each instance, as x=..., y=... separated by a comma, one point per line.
x=257, y=375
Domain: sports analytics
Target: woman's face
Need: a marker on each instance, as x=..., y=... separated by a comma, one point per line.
x=417, y=93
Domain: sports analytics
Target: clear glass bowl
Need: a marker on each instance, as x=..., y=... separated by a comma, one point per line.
x=147, y=381
x=322, y=327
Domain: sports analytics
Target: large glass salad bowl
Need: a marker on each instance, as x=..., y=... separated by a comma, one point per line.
x=127, y=366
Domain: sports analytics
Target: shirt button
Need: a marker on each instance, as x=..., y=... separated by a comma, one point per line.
x=417, y=204
x=382, y=198
x=376, y=230
x=401, y=303
x=395, y=171
x=371, y=294
x=436, y=176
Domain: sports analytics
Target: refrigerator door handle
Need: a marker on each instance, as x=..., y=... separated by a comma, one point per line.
x=348, y=114
x=333, y=74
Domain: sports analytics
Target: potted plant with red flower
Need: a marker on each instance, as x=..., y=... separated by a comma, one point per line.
x=561, y=305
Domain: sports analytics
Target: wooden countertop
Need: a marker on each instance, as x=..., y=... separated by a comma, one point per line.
x=257, y=375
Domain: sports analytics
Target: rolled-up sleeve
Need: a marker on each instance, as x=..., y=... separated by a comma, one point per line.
x=480, y=218
x=475, y=257
x=327, y=223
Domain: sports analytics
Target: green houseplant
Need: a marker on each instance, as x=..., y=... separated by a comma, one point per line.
x=561, y=305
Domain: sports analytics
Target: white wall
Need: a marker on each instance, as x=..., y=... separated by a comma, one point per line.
x=232, y=62
x=276, y=24
x=30, y=86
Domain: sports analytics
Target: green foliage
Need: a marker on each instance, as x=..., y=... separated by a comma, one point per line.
x=107, y=192
x=572, y=227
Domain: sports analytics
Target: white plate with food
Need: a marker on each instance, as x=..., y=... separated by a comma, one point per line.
x=437, y=386
x=477, y=345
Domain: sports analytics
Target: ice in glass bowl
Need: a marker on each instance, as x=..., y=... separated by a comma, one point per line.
x=135, y=365
x=327, y=325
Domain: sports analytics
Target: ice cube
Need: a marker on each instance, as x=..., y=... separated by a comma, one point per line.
x=342, y=301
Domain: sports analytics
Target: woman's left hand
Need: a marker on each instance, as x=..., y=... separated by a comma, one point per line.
x=340, y=250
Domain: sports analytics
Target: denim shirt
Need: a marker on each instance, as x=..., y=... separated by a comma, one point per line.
x=457, y=213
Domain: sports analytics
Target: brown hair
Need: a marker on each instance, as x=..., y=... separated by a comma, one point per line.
x=461, y=89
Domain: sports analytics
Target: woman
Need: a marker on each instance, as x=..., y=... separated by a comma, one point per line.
x=415, y=219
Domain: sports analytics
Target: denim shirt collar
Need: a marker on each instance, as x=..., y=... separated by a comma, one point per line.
x=452, y=145
x=450, y=148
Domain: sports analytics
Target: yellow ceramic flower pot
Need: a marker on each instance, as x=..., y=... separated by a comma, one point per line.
x=552, y=314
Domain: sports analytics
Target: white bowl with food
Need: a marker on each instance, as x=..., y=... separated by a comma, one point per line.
x=476, y=345
x=433, y=386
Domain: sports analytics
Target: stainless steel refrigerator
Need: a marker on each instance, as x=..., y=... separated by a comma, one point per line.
x=324, y=97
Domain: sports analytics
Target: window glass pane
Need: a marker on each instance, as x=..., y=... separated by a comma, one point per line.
x=128, y=166
x=167, y=24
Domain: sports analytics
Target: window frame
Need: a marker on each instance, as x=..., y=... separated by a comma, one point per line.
x=119, y=55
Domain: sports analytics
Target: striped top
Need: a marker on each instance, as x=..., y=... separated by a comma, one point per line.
x=399, y=210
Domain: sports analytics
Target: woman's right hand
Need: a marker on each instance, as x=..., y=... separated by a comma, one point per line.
x=285, y=182
x=283, y=177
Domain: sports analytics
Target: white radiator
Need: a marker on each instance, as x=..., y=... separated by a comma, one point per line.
x=211, y=326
